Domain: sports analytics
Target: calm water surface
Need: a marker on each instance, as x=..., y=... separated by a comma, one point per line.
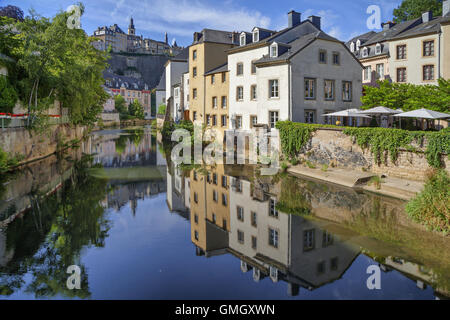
x=141, y=228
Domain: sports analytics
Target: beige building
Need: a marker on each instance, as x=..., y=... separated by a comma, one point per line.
x=416, y=51
x=207, y=52
x=216, y=100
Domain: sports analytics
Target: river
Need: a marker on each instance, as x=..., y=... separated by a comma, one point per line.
x=135, y=226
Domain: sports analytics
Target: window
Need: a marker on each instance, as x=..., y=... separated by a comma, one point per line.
x=224, y=223
x=352, y=47
x=240, y=213
x=215, y=196
x=310, y=89
x=308, y=240
x=329, y=89
x=224, y=199
x=254, y=242
x=194, y=115
x=253, y=67
x=336, y=58
x=240, y=236
x=401, y=74
x=380, y=71
x=214, y=120
x=327, y=239
x=365, y=52
x=195, y=197
x=253, y=92
x=195, y=175
x=242, y=40
x=208, y=177
x=208, y=119
x=238, y=185
x=428, y=48
x=273, y=89
x=238, y=122
x=346, y=91
x=194, y=93
x=213, y=79
x=253, y=121
x=378, y=48
x=401, y=52
x=224, y=120
x=310, y=116
x=224, y=102
x=358, y=44
x=194, y=55
x=196, y=218
x=224, y=76
x=322, y=56
x=214, y=178
x=196, y=235
x=428, y=72
x=214, y=102
x=272, y=211
x=321, y=267
x=240, y=93
x=240, y=69
x=255, y=36
x=273, y=51
x=254, y=219
x=367, y=73
x=334, y=263
x=224, y=181
x=194, y=72
x=273, y=118
x=273, y=237
x=214, y=218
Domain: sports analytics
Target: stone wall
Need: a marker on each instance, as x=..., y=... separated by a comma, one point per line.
x=34, y=145
x=334, y=148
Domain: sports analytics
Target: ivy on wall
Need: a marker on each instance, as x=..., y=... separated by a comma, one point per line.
x=382, y=142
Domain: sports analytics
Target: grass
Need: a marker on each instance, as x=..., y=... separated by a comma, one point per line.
x=310, y=164
x=324, y=168
x=431, y=207
x=376, y=181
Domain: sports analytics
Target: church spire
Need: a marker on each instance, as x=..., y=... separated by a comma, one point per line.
x=166, y=39
x=131, y=29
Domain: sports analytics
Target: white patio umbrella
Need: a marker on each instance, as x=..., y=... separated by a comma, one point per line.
x=381, y=110
x=346, y=113
x=423, y=114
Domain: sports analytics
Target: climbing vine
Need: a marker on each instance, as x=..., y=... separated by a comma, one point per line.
x=382, y=142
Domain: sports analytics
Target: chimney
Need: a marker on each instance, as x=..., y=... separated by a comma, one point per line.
x=293, y=18
x=197, y=36
x=427, y=16
x=446, y=8
x=315, y=20
x=387, y=25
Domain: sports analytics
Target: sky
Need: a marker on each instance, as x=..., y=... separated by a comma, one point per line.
x=343, y=19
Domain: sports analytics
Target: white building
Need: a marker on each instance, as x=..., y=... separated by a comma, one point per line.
x=296, y=74
x=175, y=68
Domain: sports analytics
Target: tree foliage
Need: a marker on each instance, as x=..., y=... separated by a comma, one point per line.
x=411, y=9
x=8, y=95
x=135, y=109
x=408, y=96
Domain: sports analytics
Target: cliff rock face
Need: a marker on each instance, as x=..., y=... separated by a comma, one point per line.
x=146, y=67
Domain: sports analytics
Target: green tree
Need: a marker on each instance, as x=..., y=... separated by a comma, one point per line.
x=120, y=104
x=411, y=9
x=8, y=95
x=136, y=110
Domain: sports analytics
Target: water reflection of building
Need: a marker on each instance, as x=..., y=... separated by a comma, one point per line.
x=176, y=185
x=282, y=246
x=209, y=209
x=119, y=149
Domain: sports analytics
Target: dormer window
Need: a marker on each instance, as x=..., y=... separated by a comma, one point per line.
x=358, y=44
x=378, y=48
x=352, y=47
x=365, y=52
x=274, y=50
x=255, y=35
x=242, y=39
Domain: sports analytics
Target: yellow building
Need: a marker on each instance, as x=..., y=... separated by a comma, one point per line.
x=210, y=211
x=216, y=100
x=207, y=52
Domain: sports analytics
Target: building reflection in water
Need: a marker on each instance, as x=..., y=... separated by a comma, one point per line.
x=290, y=232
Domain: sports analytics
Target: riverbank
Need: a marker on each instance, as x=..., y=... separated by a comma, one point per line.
x=389, y=186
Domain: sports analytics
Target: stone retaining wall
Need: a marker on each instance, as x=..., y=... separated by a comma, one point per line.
x=333, y=147
x=34, y=145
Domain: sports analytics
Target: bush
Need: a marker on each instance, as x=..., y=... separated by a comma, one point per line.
x=162, y=109
x=8, y=95
x=431, y=207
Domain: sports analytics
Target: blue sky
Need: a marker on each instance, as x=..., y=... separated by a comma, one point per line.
x=180, y=18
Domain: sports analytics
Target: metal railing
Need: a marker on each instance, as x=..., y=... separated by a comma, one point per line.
x=8, y=120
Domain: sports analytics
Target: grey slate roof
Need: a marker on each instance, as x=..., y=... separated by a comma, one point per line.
x=162, y=82
x=432, y=26
x=183, y=55
x=222, y=68
x=218, y=36
x=116, y=82
x=295, y=46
